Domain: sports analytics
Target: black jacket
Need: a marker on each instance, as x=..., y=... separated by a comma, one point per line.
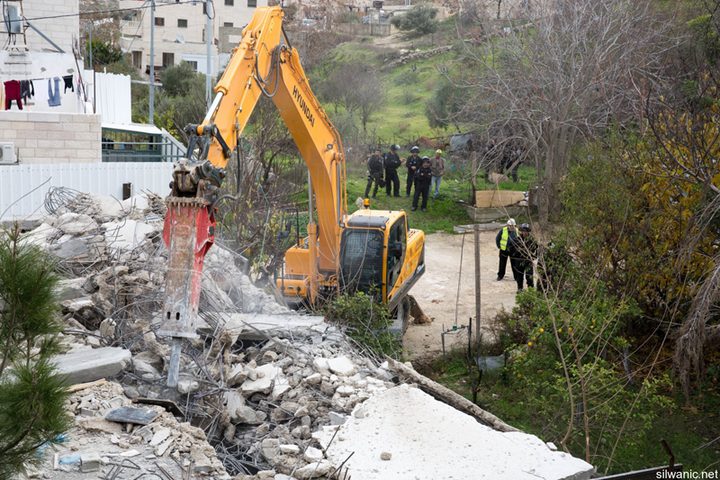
x=413, y=161
x=423, y=174
x=392, y=161
x=523, y=248
x=375, y=165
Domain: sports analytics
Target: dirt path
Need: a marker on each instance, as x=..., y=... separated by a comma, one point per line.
x=436, y=291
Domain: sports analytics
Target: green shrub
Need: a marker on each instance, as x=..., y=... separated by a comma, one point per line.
x=366, y=321
x=566, y=357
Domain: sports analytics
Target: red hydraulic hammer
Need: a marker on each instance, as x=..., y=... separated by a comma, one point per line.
x=189, y=232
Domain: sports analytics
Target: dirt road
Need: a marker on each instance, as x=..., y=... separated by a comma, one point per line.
x=437, y=291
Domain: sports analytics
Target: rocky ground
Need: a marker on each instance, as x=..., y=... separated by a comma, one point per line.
x=269, y=389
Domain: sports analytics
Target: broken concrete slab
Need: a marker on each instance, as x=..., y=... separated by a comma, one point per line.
x=250, y=326
x=71, y=248
x=341, y=365
x=266, y=375
x=90, y=365
x=75, y=223
x=424, y=439
x=134, y=415
x=126, y=234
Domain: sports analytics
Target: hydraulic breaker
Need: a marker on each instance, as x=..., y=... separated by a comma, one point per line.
x=189, y=232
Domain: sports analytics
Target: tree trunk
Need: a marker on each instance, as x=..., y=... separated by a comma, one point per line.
x=449, y=397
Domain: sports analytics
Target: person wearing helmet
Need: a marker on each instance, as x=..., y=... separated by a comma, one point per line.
x=503, y=241
x=422, y=184
x=523, y=249
x=392, y=163
x=412, y=163
x=438, y=169
x=375, y=172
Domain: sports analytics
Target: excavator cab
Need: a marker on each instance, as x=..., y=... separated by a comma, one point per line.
x=380, y=255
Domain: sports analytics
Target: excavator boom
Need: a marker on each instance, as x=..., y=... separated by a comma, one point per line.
x=265, y=64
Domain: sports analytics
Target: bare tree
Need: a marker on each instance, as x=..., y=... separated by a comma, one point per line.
x=578, y=67
x=356, y=87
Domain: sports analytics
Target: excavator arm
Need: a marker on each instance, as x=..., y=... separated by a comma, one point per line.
x=263, y=64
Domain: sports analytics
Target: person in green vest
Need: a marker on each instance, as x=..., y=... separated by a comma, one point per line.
x=506, y=235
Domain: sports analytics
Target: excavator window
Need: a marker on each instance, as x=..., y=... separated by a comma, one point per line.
x=361, y=262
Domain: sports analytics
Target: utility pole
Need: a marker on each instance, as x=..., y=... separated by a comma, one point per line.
x=90, y=45
x=208, y=39
x=151, y=113
x=478, y=297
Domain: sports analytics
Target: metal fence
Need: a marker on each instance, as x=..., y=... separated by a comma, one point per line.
x=161, y=150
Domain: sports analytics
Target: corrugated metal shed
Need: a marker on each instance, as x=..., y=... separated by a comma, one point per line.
x=23, y=187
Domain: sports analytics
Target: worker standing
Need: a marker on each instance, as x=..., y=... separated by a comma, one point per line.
x=438, y=169
x=423, y=175
x=375, y=172
x=412, y=163
x=523, y=249
x=392, y=163
x=502, y=240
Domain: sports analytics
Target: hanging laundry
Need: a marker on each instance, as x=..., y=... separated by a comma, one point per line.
x=54, y=97
x=68, y=79
x=12, y=92
x=27, y=90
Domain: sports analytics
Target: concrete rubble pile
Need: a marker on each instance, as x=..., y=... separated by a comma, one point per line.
x=112, y=438
x=273, y=391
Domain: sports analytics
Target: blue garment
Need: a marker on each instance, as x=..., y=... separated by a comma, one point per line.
x=54, y=98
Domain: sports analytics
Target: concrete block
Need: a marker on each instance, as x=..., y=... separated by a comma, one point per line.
x=90, y=365
x=89, y=462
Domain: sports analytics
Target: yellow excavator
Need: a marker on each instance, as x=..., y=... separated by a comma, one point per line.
x=369, y=250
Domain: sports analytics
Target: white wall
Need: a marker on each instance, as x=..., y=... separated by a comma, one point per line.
x=60, y=29
x=112, y=96
x=23, y=187
x=40, y=67
x=52, y=137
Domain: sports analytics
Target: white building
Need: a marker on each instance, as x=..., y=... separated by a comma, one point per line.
x=74, y=128
x=180, y=31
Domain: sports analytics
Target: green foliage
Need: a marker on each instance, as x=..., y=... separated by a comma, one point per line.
x=568, y=367
x=418, y=21
x=634, y=223
x=446, y=101
x=706, y=36
x=31, y=396
x=180, y=79
x=104, y=53
x=367, y=322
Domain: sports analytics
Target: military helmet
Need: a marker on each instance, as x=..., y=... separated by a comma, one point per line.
x=415, y=149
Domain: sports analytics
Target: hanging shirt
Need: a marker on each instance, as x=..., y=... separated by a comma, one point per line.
x=68, y=79
x=12, y=92
x=27, y=90
x=54, y=96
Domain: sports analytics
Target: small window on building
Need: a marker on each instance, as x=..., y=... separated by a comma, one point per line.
x=137, y=59
x=168, y=59
x=228, y=24
x=252, y=3
x=159, y=22
x=229, y=3
x=182, y=23
x=193, y=64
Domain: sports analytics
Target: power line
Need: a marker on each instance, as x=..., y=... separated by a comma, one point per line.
x=115, y=10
